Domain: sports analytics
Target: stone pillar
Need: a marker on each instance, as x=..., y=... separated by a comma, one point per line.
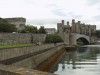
x=72, y=39
x=65, y=38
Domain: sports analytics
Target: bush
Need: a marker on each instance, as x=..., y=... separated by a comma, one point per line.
x=53, y=38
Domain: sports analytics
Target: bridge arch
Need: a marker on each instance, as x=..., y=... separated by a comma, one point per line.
x=74, y=37
x=84, y=40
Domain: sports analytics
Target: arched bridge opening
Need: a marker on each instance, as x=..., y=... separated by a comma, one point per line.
x=82, y=41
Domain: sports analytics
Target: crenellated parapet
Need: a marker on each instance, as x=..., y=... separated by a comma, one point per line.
x=62, y=28
x=76, y=27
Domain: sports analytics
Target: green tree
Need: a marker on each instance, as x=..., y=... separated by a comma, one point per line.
x=6, y=27
x=53, y=38
x=30, y=29
x=42, y=30
x=97, y=33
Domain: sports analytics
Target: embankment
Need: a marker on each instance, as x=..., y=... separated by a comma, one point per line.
x=40, y=57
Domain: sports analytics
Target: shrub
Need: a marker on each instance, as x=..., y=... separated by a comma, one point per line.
x=53, y=38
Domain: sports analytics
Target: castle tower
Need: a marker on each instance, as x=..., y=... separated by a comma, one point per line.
x=78, y=29
x=67, y=28
x=73, y=26
x=60, y=27
x=68, y=24
x=62, y=22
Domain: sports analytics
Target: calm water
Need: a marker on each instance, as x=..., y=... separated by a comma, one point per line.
x=86, y=60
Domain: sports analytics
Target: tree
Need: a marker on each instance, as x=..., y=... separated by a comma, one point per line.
x=30, y=29
x=53, y=38
x=97, y=33
x=6, y=27
x=42, y=30
x=33, y=29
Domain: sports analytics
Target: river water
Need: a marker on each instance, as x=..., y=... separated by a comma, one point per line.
x=84, y=61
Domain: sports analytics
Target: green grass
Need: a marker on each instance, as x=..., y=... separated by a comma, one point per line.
x=14, y=45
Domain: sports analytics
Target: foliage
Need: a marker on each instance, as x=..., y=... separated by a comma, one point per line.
x=6, y=27
x=33, y=29
x=53, y=38
x=79, y=42
x=30, y=29
x=98, y=33
x=42, y=30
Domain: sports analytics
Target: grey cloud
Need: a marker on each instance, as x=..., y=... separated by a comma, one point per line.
x=93, y=2
x=42, y=21
x=52, y=6
x=98, y=8
x=47, y=23
x=29, y=1
x=97, y=18
x=72, y=14
x=58, y=12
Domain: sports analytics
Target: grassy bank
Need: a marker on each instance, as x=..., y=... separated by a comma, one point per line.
x=13, y=45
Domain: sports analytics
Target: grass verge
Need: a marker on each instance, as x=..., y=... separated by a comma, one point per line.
x=14, y=45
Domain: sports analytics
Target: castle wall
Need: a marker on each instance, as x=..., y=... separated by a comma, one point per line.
x=21, y=38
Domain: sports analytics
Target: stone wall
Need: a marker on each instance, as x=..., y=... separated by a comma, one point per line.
x=21, y=38
x=36, y=60
x=65, y=38
x=14, y=52
x=28, y=57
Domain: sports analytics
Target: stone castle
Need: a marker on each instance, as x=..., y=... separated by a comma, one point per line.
x=76, y=27
x=18, y=21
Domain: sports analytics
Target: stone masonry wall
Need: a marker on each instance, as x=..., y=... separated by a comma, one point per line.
x=14, y=52
x=21, y=38
x=34, y=61
x=28, y=57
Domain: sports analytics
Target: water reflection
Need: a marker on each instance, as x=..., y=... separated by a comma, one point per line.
x=86, y=60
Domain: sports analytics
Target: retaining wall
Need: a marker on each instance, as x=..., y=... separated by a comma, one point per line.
x=28, y=57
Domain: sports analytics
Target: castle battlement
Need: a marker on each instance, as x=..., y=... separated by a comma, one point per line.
x=76, y=27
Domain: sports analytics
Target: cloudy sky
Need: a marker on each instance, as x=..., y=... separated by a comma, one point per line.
x=49, y=12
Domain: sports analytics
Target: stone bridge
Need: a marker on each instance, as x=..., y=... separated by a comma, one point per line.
x=73, y=37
